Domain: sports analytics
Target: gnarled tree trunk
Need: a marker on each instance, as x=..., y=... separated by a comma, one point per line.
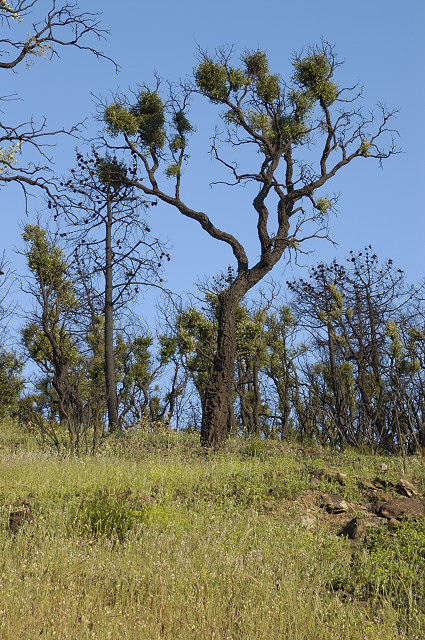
x=216, y=405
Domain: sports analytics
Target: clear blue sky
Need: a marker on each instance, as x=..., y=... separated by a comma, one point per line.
x=382, y=44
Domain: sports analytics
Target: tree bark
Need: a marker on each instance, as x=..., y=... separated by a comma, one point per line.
x=257, y=400
x=216, y=405
x=111, y=387
x=219, y=386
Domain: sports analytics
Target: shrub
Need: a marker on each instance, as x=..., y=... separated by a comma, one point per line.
x=105, y=515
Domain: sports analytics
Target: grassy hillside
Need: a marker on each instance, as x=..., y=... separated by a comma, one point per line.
x=156, y=539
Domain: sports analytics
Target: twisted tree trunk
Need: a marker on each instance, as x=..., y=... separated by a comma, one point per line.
x=216, y=405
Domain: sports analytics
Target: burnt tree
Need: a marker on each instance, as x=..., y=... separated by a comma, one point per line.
x=285, y=123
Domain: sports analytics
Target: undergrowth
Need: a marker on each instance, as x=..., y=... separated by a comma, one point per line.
x=155, y=539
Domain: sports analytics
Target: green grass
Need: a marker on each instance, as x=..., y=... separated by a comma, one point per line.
x=154, y=539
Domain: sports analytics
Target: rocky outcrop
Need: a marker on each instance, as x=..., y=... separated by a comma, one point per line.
x=378, y=506
x=358, y=527
x=335, y=504
x=402, y=508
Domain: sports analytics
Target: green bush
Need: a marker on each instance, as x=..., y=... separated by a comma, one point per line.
x=397, y=562
x=113, y=515
x=388, y=570
x=105, y=515
x=255, y=447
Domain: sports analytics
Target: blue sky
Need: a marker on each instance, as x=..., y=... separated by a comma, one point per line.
x=382, y=44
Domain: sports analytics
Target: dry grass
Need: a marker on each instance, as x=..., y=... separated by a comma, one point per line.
x=203, y=548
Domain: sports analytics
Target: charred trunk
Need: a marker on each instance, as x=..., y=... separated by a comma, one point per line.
x=217, y=395
x=111, y=387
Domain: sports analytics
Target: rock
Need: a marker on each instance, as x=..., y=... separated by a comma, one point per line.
x=334, y=503
x=402, y=508
x=20, y=517
x=354, y=530
x=407, y=489
x=366, y=505
x=392, y=524
x=309, y=521
x=367, y=484
x=375, y=507
x=357, y=528
x=383, y=468
x=315, y=481
x=317, y=477
x=341, y=477
x=383, y=483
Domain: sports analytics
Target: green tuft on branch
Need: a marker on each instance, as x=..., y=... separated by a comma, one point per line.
x=211, y=79
x=149, y=112
x=268, y=88
x=364, y=149
x=145, y=119
x=323, y=205
x=314, y=72
x=120, y=120
x=256, y=64
x=173, y=170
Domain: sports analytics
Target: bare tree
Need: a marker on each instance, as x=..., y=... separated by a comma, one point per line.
x=63, y=25
x=114, y=254
x=364, y=328
x=6, y=304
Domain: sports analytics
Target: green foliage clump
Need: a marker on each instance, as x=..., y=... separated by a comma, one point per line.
x=102, y=514
x=237, y=79
x=314, y=72
x=45, y=257
x=134, y=365
x=168, y=345
x=217, y=80
x=394, y=566
x=256, y=64
x=364, y=149
x=11, y=381
x=336, y=294
x=182, y=127
x=323, y=204
x=393, y=333
x=145, y=119
x=149, y=111
x=40, y=349
x=259, y=122
x=301, y=101
x=211, y=79
x=49, y=266
x=250, y=335
x=292, y=129
x=268, y=88
x=8, y=156
x=173, y=170
x=267, y=85
x=176, y=144
x=181, y=123
x=119, y=119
